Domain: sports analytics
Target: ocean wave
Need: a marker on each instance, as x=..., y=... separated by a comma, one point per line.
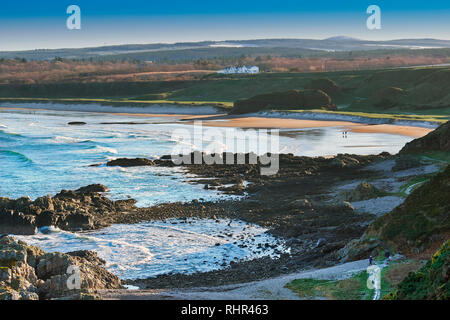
x=12, y=134
x=63, y=139
x=101, y=149
x=17, y=155
x=104, y=247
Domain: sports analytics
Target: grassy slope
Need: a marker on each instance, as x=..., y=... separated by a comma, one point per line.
x=437, y=140
x=421, y=222
x=430, y=282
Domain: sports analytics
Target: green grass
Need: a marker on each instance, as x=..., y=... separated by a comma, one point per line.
x=141, y=103
x=355, y=287
x=443, y=157
x=349, y=289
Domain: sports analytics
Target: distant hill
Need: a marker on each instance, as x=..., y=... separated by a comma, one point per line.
x=207, y=49
x=342, y=38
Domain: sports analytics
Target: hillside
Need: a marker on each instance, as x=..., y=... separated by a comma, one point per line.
x=437, y=140
x=210, y=49
x=431, y=282
x=415, y=89
x=419, y=224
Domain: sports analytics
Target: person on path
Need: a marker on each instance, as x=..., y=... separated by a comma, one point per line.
x=387, y=255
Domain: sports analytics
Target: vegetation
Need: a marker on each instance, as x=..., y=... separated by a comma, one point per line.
x=354, y=288
x=429, y=282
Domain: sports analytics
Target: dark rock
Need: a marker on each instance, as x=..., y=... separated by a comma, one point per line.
x=46, y=218
x=125, y=162
x=93, y=188
x=45, y=203
x=364, y=191
x=90, y=256
x=76, y=123
x=14, y=222
x=78, y=222
x=83, y=209
x=403, y=162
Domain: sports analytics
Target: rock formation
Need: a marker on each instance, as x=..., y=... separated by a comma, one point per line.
x=29, y=273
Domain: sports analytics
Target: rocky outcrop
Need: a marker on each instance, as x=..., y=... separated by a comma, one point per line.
x=437, y=140
x=364, y=191
x=82, y=209
x=29, y=273
x=125, y=162
x=405, y=161
x=292, y=99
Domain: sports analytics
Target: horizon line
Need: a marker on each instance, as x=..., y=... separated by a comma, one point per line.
x=218, y=41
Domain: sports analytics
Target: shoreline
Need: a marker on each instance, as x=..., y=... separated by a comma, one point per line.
x=266, y=120
x=289, y=123
x=355, y=117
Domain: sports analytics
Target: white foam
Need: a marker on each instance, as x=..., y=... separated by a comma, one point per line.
x=152, y=248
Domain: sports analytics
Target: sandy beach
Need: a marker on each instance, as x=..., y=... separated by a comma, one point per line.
x=286, y=123
x=223, y=120
x=415, y=132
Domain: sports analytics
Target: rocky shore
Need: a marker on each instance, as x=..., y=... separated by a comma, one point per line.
x=29, y=273
x=82, y=209
x=295, y=205
x=299, y=204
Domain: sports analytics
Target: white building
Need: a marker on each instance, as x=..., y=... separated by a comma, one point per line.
x=240, y=69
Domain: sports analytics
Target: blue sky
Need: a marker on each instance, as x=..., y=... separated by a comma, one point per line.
x=42, y=24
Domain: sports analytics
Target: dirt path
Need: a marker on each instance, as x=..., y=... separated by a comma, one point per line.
x=270, y=289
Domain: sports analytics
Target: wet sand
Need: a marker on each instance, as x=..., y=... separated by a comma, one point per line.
x=272, y=123
x=285, y=123
x=415, y=132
